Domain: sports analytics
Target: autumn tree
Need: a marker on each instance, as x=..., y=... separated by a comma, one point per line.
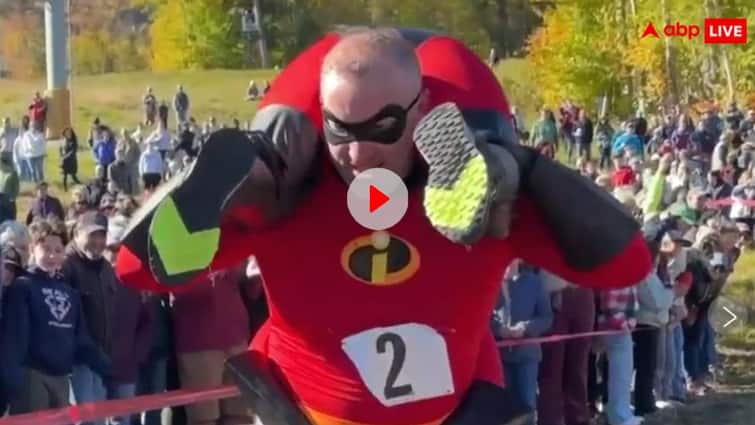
x=589, y=48
x=196, y=34
x=22, y=45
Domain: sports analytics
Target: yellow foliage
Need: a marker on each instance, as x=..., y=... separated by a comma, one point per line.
x=98, y=51
x=169, y=38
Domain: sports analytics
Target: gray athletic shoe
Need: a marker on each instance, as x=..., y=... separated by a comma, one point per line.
x=461, y=185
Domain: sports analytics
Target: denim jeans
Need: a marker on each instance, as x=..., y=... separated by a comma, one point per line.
x=708, y=355
x=118, y=392
x=36, y=168
x=152, y=380
x=22, y=167
x=521, y=377
x=88, y=388
x=620, y=353
x=678, y=382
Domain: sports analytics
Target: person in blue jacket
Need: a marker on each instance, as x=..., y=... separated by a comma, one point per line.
x=43, y=331
x=630, y=141
x=103, y=150
x=523, y=311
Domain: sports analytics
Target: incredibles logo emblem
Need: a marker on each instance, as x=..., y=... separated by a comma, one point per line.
x=380, y=259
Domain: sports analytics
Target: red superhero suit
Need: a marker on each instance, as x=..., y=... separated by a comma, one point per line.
x=396, y=335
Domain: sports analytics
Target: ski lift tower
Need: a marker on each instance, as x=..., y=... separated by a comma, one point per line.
x=251, y=27
x=58, y=69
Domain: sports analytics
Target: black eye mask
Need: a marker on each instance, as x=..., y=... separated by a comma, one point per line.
x=385, y=127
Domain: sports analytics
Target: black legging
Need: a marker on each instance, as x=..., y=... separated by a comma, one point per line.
x=645, y=360
x=65, y=180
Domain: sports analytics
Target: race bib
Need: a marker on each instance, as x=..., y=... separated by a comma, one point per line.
x=401, y=364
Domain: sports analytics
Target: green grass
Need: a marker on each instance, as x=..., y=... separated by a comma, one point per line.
x=741, y=288
x=117, y=98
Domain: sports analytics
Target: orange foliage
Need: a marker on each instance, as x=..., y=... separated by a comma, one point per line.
x=22, y=44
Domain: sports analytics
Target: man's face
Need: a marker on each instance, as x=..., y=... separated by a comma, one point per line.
x=92, y=244
x=42, y=192
x=358, y=100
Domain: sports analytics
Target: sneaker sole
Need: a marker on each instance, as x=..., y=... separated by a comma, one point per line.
x=180, y=224
x=459, y=191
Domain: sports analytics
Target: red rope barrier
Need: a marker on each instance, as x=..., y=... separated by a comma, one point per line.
x=95, y=411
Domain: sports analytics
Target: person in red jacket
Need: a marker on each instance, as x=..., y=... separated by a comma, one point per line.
x=351, y=340
x=38, y=111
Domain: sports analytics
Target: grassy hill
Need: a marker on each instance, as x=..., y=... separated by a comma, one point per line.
x=117, y=98
x=741, y=289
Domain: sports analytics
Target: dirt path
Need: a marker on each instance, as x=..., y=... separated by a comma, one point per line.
x=732, y=403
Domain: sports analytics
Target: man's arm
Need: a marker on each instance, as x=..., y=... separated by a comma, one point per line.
x=564, y=223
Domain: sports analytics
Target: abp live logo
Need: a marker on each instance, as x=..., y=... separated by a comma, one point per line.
x=717, y=30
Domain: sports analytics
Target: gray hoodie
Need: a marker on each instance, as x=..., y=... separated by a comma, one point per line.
x=655, y=301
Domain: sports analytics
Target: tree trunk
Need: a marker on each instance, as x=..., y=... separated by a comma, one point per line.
x=261, y=40
x=670, y=59
x=636, y=78
x=502, y=17
x=725, y=57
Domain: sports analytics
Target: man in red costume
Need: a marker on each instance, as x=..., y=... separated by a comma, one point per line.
x=404, y=340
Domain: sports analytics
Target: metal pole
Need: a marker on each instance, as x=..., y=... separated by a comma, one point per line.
x=56, y=47
x=261, y=42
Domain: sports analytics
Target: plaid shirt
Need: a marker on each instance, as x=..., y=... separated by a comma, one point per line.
x=617, y=309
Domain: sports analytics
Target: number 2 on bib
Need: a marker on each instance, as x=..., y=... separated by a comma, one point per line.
x=401, y=364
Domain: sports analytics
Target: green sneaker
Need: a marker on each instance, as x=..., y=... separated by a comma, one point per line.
x=177, y=231
x=460, y=187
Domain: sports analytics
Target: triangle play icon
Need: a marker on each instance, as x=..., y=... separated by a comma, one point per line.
x=377, y=198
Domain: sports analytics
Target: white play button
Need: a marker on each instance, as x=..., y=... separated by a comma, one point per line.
x=377, y=199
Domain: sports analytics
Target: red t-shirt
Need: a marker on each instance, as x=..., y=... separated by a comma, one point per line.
x=624, y=176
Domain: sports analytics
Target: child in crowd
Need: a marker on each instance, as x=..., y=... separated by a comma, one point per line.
x=43, y=334
x=151, y=167
x=523, y=311
x=119, y=173
x=655, y=298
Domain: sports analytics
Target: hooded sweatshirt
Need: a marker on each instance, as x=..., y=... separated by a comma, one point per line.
x=655, y=299
x=33, y=144
x=43, y=328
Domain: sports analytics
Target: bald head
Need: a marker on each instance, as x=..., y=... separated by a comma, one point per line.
x=366, y=72
x=373, y=54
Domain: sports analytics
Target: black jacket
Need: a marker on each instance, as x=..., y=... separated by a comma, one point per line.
x=68, y=162
x=100, y=291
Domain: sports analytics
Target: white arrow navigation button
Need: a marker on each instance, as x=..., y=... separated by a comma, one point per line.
x=733, y=317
